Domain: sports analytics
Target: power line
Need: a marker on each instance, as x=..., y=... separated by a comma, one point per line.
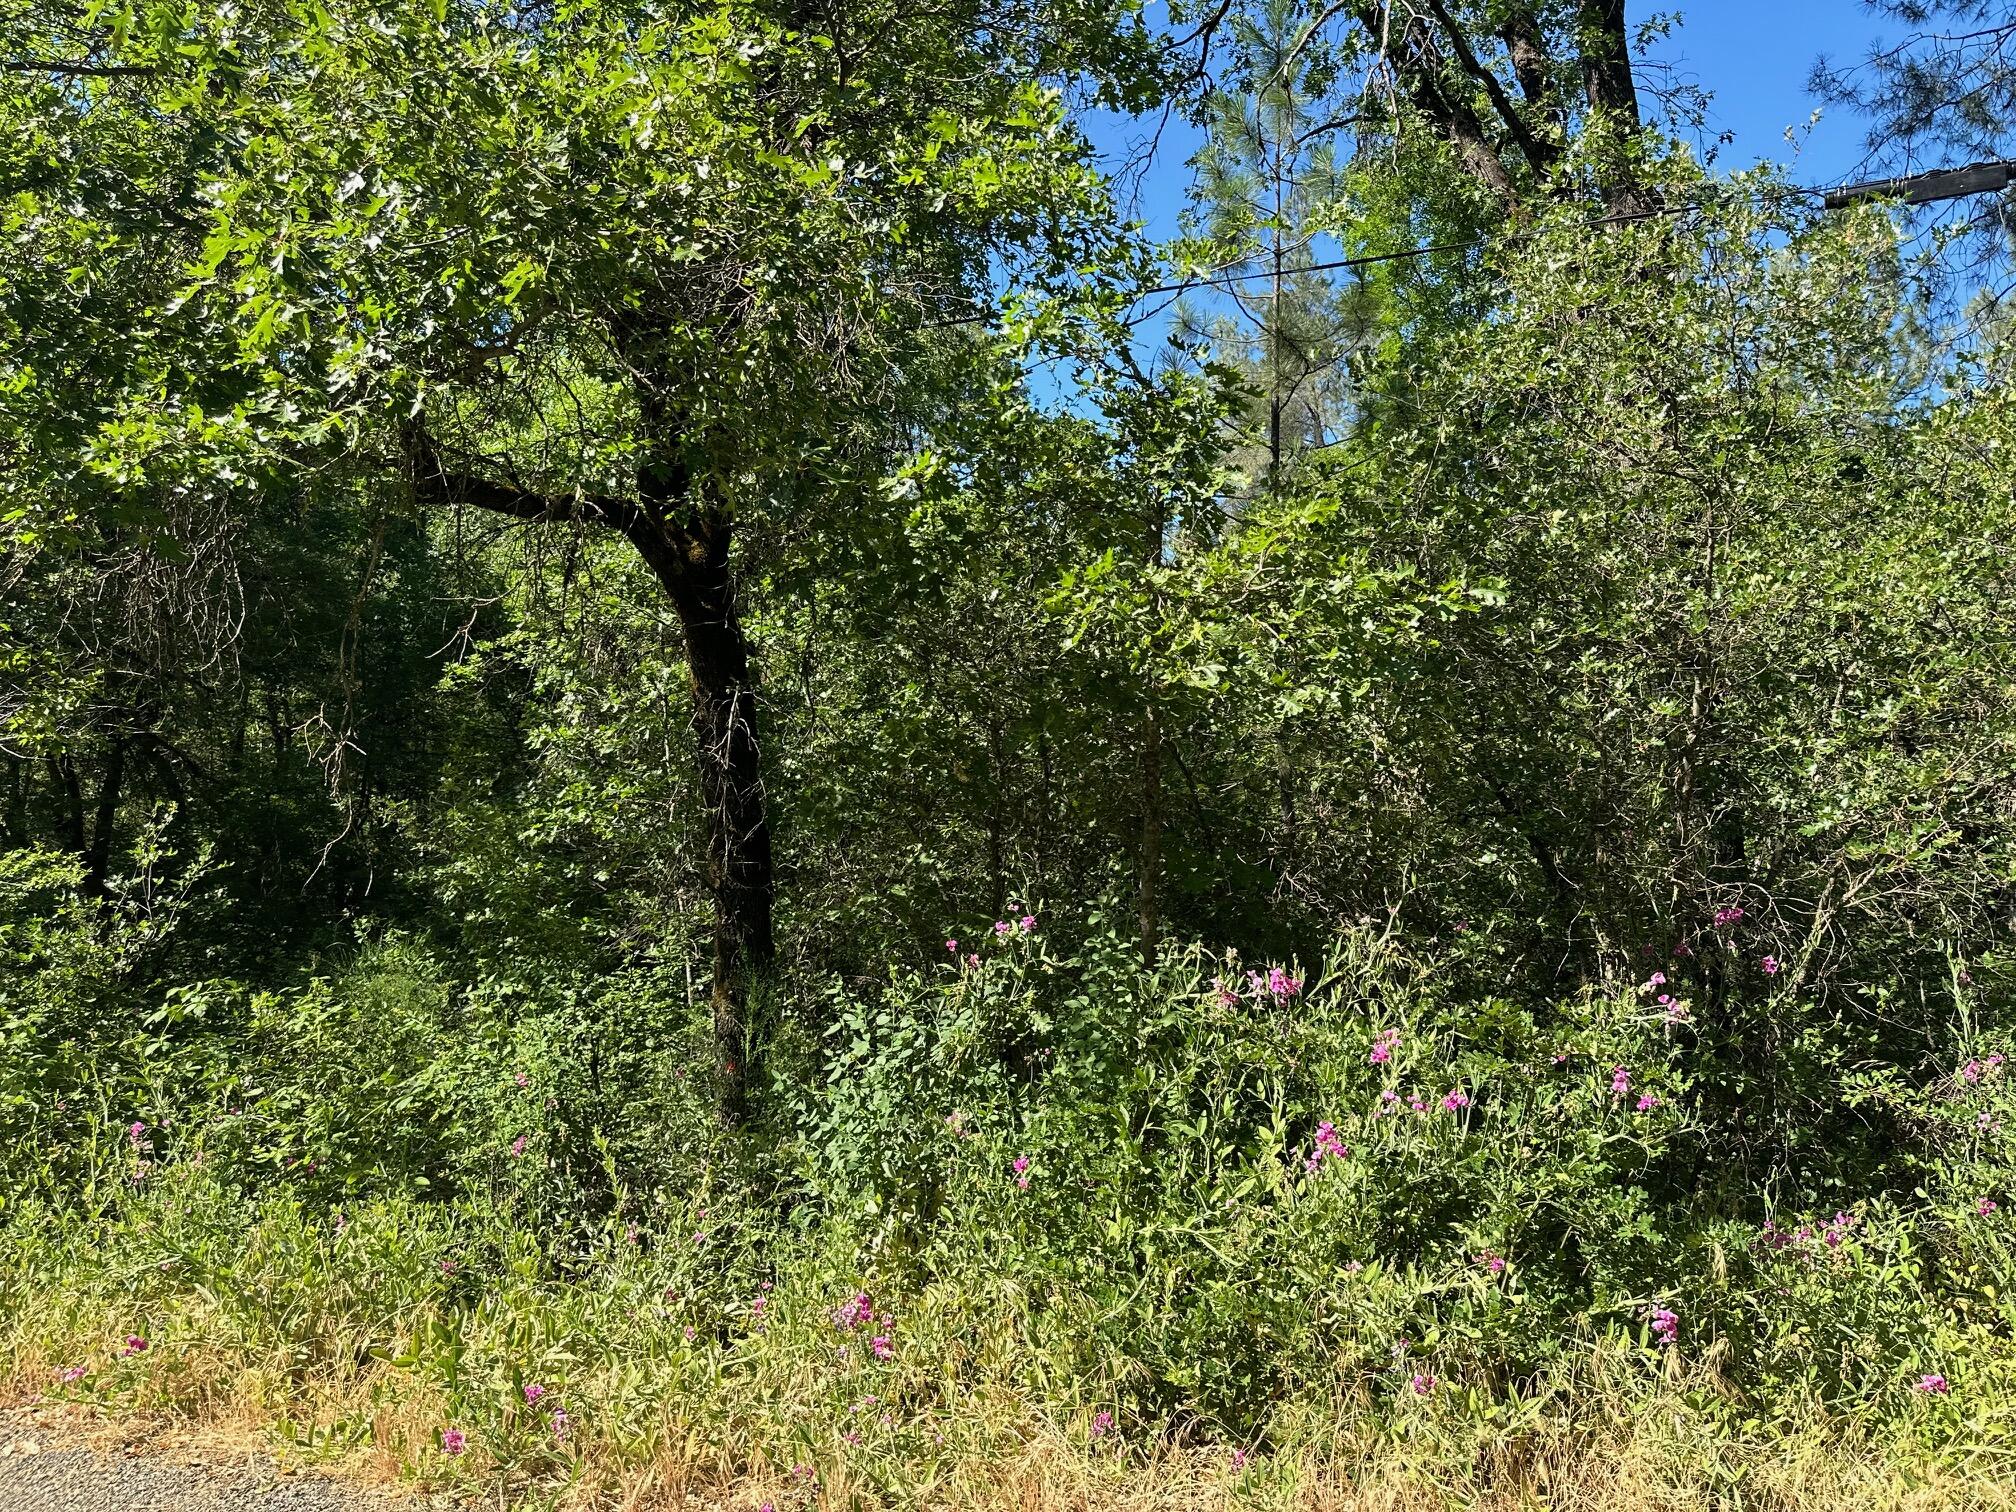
x=1916, y=189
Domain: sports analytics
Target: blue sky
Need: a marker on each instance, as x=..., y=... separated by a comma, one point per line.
x=1752, y=56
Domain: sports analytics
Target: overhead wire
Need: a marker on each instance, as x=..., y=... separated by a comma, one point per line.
x=1405, y=254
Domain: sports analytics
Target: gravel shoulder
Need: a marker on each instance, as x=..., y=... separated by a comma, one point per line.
x=53, y=1462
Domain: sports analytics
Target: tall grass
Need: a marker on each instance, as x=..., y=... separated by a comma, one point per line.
x=1044, y=1233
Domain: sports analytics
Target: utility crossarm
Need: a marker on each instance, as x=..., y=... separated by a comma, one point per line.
x=1923, y=188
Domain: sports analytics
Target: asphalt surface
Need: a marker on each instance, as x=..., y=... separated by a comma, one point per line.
x=45, y=1468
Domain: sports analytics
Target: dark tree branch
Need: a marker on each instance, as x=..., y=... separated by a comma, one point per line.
x=1539, y=154
x=76, y=68
x=434, y=482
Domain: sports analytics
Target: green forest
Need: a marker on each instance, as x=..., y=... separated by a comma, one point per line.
x=719, y=793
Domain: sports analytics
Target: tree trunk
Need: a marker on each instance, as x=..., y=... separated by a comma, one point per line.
x=696, y=574
x=1150, y=879
x=98, y=857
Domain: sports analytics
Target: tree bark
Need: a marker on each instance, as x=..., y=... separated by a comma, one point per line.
x=1605, y=43
x=98, y=856
x=696, y=575
x=1149, y=882
x=685, y=539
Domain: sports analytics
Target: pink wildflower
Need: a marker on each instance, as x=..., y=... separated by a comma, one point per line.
x=1455, y=1101
x=1028, y=923
x=70, y=1373
x=1422, y=1384
x=533, y=1392
x=1620, y=1081
x=1769, y=965
x=454, y=1441
x=1492, y=1263
x=1238, y=1459
x=1021, y=1167
x=518, y=1145
x=1932, y=1385
x=1383, y=1046
x=1648, y=1102
x=1329, y=1146
x=1102, y=1424
x=135, y=1344
x=1985, y=1206
x=1666, y=1324
x=953, y=946
x=854, y=1312
x=1002, y=927
x=882, y=1347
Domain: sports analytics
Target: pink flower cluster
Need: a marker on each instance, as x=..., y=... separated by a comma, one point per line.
x=1102, y=1424
x=1383, y=1046
x=1273, y=983
x=1493, y=1263
x=1020, y=1165
x=1932, y=1385
x=1329, y=1146
x=1830, y=1233
x=854, y=1312
x=1666, y=1325
x=1620, y=1081
x=1451, y=1102
x=1975, y=1070
x=1727, y=916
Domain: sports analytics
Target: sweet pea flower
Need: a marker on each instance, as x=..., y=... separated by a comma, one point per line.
x=1329, y=1146
x=1422, y=1384
x=1984, y=1207
x=1102, y=1424
x=533, y=1392
x=1021, y=1167
x=1932, y=1385
x=454, y=1441
x=1383, y=1046
x=1620, y=1081
x=1769, y=965
x=1666, y=1324
x=1648, y=1102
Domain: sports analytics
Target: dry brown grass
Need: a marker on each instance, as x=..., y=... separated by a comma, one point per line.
x=1664, y=1460
x=1623, y=1445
